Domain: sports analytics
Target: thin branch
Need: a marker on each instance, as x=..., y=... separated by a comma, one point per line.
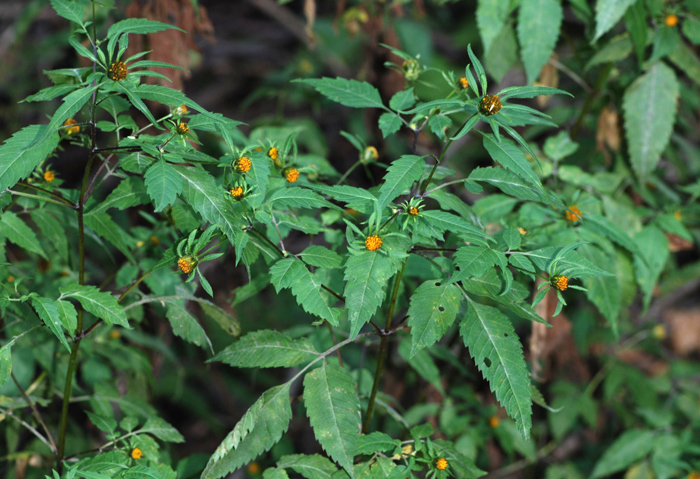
x=36, y=413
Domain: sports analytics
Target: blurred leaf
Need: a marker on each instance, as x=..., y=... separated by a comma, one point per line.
x=627, y=449
x=608, y=13
x=16, y=230
x=650, y=105
x=491, y=17
x=603, y=291
x=23, y=152
x=538, y=32
x=162, y=430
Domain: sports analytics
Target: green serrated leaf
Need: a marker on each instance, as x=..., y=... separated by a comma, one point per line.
x=618, y=48
x=292, y=273
x=627, y=449
x=267, y=349
x=138, y=25
x=498, y=354
x=422, y=363
x=69, y=316
x=509, y=183
x=184, y=324
x=648, y=264
x=313, y=466
x=433, y=308
x=70, y=9
x=366, y=273
x=128, y=193
x=16, y=230
x=322, y=257
x=5, y=363
x=650, y=105
x=400, y=176
x=474, y=261
x=510, y=156
x=334, y=412
x=23, y=152
x=376, y=442
x=161, y=429
x=357, y=198
x=352, y=93
x=603, y=291
x=402, y=100
x=102, y=305
x=389, y=123
x=104, y=423
x=608, y=13
x=258, y=430
x=538, y=31
x=103, y=225
x=48, y=312
x=207, y=198
x=163, y=184
x=298, y=197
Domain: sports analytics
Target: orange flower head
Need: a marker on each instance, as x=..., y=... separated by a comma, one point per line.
x=49, y=176
x=373, y=242
x=560, y=282
x=574, y=215
x=186, y=263
x=253, y=468
x=71, y=130
x=114, y=334
x=182, y=128
x=291, y=174
x=242, y=164
x=413, y=211
x=522, y=230
x=671, y=20
x=441, y=464
x=136, y=453
x=237, y=193
x=117, y=71
x=678, y=215
x=463, y=83
x=273, y=153
x=154, y=239
x=490, y=105
x=494, y=422
x=694, y=475
x=181, y=110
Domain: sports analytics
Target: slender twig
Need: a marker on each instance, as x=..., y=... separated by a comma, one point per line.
x=350, y=170
x=442, y=186
x=43, y=198
x=439, y=159
x=382, y=351
x=36, y=413
x=9, y=413
x=274, y=222
x=43, y=190
x=333, y=293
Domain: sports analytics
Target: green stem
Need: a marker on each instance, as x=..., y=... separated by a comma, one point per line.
x=442, y=186
x=442, y=154
x=350, y=170
x=382, y=351
x=43, y=198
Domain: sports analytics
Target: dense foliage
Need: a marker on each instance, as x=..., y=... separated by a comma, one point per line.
x=411, y=270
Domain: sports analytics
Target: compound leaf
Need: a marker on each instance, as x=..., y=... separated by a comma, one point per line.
x=608, y=13
x=18, y=159
x=630, y=447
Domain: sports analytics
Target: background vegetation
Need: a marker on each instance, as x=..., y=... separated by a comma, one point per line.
x=616, y=381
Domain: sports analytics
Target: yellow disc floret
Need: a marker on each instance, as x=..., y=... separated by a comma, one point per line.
x=671, y=20
x=373, y=242
x=186, y=263
x=463, y=83
x=117, y=71
x=181, y=110
x=441, y=464
x=574, y=214
x=136, y=453
x=560, y=282
x=49, y=176
x=494, y=421
x=273, y=153
x=370, y=154
x=291, y=174
x=71, y=130
x=242, y=164
x=182, y=128
x=522, y=230
x=253, y=468
x=237, y=192
x=413, y=211
x=490, y=105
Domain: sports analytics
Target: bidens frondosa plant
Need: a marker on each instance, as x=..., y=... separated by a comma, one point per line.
x=427, y=274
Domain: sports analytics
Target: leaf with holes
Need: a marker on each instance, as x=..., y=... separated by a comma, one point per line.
x=433, y=308
x=267, y=349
